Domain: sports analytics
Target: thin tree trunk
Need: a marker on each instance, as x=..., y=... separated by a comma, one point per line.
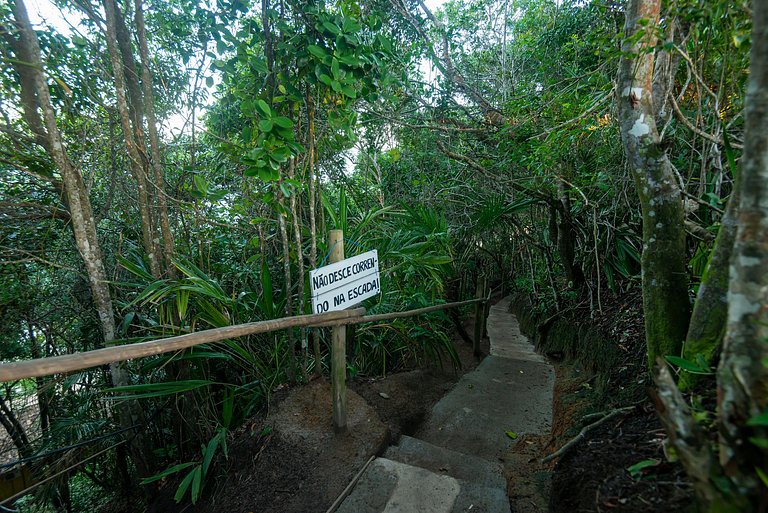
x=710, y=311
x=664, y=261
x=154, y=140
x=134, y=155
x=81, y=214
x=313, y=218
x=40, y=392
x=288, y=284
x=300, y=264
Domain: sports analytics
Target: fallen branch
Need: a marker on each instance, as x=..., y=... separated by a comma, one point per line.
x=583, y=433
x=349, y=487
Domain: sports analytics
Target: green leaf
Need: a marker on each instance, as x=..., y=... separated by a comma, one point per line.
x=196, y=484
x=335, y=68
x=688, y=365
x=349, y=91
x=759, y=420
x=762, y=475
x=511, y=434
x=263, y=108
x=331, y=28
x=168, y=472
x=148, y=390
x=317, y=51
x=265, y=125
x=209, y=81
x=182, y=489
x=210, y=451
x=636, y=469
x=325, y=79
x=283, y=122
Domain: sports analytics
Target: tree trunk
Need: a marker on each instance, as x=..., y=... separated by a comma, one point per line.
x=81, y=214
x=664, y=271
x=288, y=284
x=154, y=140
x=566, y=235
x=710, y=311
x=743, y=371
x=134, y=155
x=312, y=156
x=300, y=264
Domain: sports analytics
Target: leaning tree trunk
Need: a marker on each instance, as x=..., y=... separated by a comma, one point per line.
x=710, y=311
x=664, y=271
x=81, y=213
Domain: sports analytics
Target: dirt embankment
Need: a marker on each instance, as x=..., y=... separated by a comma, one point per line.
x=618, y=465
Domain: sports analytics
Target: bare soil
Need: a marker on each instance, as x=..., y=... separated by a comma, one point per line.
x=289, y=459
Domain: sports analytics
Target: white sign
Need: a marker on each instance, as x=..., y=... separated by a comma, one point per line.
x=347, y=283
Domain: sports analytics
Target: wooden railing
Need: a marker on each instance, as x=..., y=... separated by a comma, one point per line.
x=13, y=371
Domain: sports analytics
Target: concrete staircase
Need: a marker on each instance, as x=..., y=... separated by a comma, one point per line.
x=453, y=464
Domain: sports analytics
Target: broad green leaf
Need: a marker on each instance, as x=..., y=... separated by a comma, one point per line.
x=263, y=108
x=283, y=122
x=265, y=125
x=687, y=365
x=317, y=51
x=331, y=28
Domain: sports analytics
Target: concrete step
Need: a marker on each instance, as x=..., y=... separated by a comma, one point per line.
x=501, y=395
x=389, y=486
x=442, y=461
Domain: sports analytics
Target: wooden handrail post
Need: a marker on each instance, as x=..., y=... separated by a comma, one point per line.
x=338, y=347
x=479, y=315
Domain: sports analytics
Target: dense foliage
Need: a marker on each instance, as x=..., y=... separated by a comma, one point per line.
x=486, y=138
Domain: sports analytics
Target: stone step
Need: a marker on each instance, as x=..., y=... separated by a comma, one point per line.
x=389, y=486
x=442, y=461
x=501, y=395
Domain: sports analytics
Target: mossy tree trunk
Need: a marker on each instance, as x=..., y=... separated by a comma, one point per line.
x=664, y=271
x=710, y=311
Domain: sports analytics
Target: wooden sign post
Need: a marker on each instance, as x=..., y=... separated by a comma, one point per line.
x=338, y=347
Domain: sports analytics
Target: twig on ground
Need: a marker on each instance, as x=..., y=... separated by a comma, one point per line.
x=349, y=487
x=583, y=432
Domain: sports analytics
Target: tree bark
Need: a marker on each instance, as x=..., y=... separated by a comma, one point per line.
x=743, y=373
x=154, y=140
x=313, y=184
x=300, y=265
x=664, y=262
x=134, y=155
x=288, y=283
x=710, y=311
x=81, y=213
